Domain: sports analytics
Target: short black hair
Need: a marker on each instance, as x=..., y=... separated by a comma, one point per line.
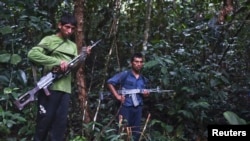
x=68, y=18
x=136, y=55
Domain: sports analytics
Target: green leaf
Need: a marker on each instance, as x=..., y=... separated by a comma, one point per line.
x=5, y=30
x=169, y=61
x=151, y=64
x=186, y=113
x=233, y=119
x=7, y=90
x=164, y=70
x=15, y=59
x=4, y=79
x=214, y=82
x=4, y=58
x=201, y=104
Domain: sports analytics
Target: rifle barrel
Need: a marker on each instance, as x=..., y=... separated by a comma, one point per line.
x=95, y=43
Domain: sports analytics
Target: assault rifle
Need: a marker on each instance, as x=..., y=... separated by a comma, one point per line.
x=133, y=92
x=49, y=78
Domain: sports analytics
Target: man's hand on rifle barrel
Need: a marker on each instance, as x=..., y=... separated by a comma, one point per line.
x=88, y=50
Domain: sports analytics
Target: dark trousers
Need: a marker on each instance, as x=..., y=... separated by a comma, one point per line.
x=52, y=116
x=133, y=116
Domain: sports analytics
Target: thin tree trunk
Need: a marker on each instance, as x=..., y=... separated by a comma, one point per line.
x=114, y=29
x=147, y=24
x=79, y=37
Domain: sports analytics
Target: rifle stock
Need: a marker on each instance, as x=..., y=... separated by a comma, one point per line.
x=26, y=98
x=29, y=96
x=48, y=79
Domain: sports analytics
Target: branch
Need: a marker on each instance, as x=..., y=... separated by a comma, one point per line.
x=237, y=32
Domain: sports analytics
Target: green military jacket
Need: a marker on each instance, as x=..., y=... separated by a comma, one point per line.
x=66, y=51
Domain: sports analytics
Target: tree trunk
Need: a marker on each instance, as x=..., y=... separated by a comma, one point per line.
x=79, y=39
x=147, y=25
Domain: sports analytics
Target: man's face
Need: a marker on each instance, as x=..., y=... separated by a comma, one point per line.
x=66, y=30
x=137, y=64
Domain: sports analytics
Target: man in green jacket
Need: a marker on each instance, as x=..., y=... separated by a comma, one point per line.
x=55, y=50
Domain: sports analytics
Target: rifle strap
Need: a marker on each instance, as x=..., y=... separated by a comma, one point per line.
x=50, y=51
x=34, y=73
x=34, y=67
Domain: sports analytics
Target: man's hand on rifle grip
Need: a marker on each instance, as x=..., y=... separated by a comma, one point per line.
x=63, y=66
x=145, y=93
x=120, y=97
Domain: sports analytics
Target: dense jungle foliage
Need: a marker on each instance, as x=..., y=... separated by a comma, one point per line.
x=198, y=48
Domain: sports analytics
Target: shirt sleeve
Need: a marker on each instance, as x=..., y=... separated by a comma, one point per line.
x=38, y=55
x=116, y=79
